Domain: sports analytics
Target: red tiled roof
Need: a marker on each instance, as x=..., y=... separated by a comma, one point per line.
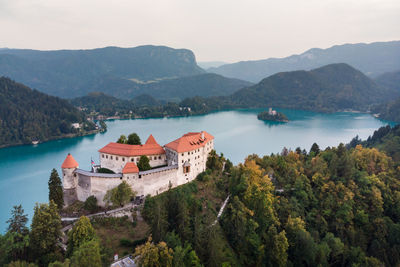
x=69, y=162
x=151, y=140
x=150, y=148
x=189, y=142
x=130, y=167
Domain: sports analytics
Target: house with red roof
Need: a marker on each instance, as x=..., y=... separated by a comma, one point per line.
x=176, y=163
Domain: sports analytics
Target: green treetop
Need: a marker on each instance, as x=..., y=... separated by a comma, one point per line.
x=119, y=195
x=56, y=189
x=45, y=229
x=134, y=139
x=144, y=163
x=82, y=231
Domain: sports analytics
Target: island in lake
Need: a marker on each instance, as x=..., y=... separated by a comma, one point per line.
x=272, y=115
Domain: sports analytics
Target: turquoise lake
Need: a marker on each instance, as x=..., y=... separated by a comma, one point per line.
x=25, y=170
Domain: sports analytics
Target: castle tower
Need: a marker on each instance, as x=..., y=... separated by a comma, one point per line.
x=70, y=179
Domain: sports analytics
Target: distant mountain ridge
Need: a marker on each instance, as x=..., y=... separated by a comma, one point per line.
x=70, y=73
x=205, y=85
x=372, y=59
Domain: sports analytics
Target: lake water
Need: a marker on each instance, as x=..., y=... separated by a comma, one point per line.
x=25, y=170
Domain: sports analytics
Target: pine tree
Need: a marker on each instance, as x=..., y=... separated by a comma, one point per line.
x=17, y=223
x=45, y=229
x=56, y=189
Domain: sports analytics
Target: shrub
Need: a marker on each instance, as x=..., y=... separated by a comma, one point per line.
x=104, y=170
x=91, y=204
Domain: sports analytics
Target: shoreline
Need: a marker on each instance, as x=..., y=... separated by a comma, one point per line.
x=54, y=138
x=113, y=118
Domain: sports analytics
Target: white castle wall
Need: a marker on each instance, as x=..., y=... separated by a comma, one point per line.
x=117, y=163
x=100, y=186
x=151, y=182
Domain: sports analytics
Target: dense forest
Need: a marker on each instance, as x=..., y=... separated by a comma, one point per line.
x=337, y=207
x=27, y=115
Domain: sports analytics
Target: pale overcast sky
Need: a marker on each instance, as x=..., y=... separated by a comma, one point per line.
x=226, y=30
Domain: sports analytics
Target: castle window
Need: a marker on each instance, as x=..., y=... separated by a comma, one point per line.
x=116, y=158
x=140, y=176
x=132, y=159
x=74, y=174
x=123, y=159
x=182, y=161
x=111, y=157
x=182, y=154
x=102, y=155
x=106, y=156
x=159, y=157
x=120, y=178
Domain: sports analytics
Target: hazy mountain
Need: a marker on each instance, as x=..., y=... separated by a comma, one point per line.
x=70, y=73
x=389, y=80
x=27, y=115
x=372, y=59
x=330, y=88
x=208, y=84
x=388, y=111
x=211, y=64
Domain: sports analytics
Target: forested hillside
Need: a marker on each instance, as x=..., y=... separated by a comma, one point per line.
x=337, y=207
x=372, y=59
x=71, y=73
x=27, y=115
x=175, y=90
x=388, y=111
x=389, y=80
x=330, y=88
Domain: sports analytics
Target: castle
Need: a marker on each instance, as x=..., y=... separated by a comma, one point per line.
x=176, y=163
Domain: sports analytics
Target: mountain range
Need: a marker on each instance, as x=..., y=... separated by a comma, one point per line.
x=71, y=73
x=372, y=59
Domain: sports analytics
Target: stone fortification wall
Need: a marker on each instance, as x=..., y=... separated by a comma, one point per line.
x=155, y=181
x=95, y=184
x=69, y=178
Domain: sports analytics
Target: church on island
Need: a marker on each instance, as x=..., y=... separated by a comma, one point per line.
x=175, y=163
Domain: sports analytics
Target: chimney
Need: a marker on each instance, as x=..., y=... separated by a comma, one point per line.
x=202, y=135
